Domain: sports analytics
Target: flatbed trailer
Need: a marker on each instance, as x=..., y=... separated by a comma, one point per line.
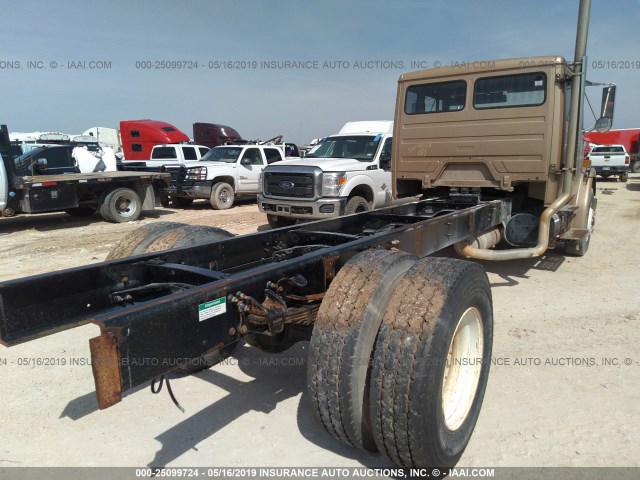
x=118, y=196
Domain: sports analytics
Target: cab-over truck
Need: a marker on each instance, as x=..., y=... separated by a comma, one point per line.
x=395, y=333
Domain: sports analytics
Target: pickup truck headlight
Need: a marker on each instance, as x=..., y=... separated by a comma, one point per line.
x=332, y=183
x=261, y=182
x=196, y=173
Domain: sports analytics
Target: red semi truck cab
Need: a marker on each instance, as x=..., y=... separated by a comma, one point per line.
x=139, y=137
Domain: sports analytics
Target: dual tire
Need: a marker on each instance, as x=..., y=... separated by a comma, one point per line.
x=121, y=205
x=400, y=353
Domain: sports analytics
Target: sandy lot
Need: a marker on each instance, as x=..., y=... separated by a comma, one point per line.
x=564, y=388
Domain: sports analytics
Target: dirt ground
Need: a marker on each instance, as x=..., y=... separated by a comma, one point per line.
x=564, y=388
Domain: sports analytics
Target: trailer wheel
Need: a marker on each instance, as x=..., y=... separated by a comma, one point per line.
x=635, y=167
x=80, y=211
x=342, y=342
x=182, y=202
x=222, y=196
x=356, y=205
x=431, y=363
x=276, y=221
x=121, y=205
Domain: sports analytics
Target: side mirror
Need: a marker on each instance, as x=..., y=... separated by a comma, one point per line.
x=603, y=124
x=608, y=102
x=245, y=161
x=40, y=164
x=385, y=160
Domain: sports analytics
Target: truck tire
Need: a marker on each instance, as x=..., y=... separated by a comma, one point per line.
x=356, y=205
x=83, y=211
x=182, y=202
x=121, y=205
x=431, y=363
x=135, y=243
x=222, y=196
x=186, y=236
x=342, y=342
x=276, y=221
x=165, y=235
x=624, y=177
x=635, y=167
x=579, y=249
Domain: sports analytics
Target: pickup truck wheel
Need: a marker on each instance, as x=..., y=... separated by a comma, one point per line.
x=222, y=196
x=342, y=342
x=181, y=202
x=121, y=205
x=624, y=177
x=431, y=363
x=80, y=211
x=356, y=205
x=276, y=221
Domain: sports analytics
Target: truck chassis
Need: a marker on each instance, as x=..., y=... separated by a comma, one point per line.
x=159, y=311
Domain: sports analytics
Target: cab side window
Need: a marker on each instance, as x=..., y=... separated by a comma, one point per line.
x=189, y=153
x=385, y=154
x=252, y=156
x=272, y=154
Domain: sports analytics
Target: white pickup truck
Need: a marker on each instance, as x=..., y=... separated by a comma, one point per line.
x=168, y=154
x=224, y=173
x=343, y=174
x=610, y=160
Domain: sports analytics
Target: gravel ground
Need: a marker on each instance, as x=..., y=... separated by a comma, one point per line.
x=564, y=387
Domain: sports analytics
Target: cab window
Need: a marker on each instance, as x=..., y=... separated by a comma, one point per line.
x=523, y=90
x=251, y=156
x=436, y=97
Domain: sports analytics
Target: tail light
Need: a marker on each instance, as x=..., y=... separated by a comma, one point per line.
x=626, y=160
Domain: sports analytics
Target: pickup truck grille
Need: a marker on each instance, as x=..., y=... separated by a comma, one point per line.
x=297, y=185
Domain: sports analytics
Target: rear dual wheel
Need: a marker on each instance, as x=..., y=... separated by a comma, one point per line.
x=423, y=329
x=121, y=205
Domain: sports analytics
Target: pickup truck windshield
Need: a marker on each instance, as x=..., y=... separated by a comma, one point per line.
x=359, y=147
x=222, y=154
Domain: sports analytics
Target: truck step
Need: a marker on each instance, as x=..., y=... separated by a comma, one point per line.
x=576, y=234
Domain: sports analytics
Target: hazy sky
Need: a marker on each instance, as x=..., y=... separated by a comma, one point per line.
x=260, y=102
